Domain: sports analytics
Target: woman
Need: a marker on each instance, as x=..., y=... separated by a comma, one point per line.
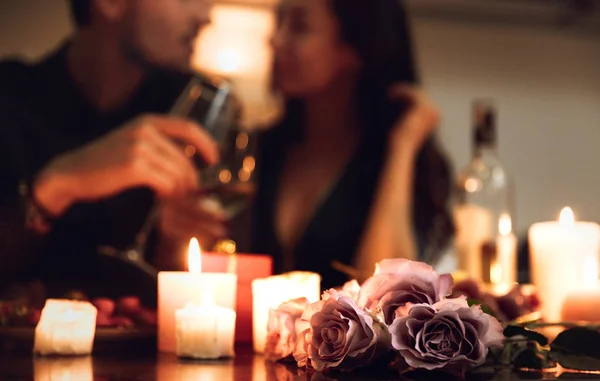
x=350, y=175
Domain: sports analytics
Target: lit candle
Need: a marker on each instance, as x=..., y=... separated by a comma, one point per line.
x=504, y=267
x=564, y=258
x=65, y=328
x=582, y=305
x=205, y=331
x=248, y=268
x=178, y=288
x=270, y=292
x=75, y=368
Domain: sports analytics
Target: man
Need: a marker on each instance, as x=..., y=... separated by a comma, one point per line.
x=86, y=147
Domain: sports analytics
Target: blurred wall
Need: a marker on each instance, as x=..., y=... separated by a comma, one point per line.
x=546, y=83
x=547, y=87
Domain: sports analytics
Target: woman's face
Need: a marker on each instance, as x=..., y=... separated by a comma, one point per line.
x=309, y=53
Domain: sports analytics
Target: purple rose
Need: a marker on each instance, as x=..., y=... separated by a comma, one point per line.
x=448, y=336
x=340, y=335
x=281, y=329
x=399, y=283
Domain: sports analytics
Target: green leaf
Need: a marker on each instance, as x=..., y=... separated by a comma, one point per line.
x=576, y=362
x=515, y=330
x=577, y=348
x=531, y=356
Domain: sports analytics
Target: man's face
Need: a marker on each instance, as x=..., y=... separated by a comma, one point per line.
x=161, y=33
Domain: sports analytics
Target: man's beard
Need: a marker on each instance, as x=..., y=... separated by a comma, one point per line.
x=134, y=54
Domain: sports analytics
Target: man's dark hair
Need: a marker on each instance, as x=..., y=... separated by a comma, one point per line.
x=81, y=11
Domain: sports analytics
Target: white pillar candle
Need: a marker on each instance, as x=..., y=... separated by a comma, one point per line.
x=268, y=293
x=66, y=327
x=564, y=258
x=178, y=288
x=63, y=369
x=205, y=331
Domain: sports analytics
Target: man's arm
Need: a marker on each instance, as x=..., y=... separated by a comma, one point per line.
x=18, y=243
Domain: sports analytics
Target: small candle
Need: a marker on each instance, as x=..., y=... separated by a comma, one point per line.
x=270, y=292
x=504, y=267
x=65, y=328
x=205, y=331
x=564, y=258
x=582, y=306
x=178, y=288
x=63, y=368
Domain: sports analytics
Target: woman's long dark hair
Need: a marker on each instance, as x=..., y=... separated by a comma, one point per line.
x=378, y=31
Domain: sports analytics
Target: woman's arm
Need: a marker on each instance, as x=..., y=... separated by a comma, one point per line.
x=389, y=230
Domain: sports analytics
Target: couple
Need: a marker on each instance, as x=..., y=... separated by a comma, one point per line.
x=351, y=174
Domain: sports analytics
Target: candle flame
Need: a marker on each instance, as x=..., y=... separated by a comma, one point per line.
x=194, y=257
x=567, y=217
x=505, y=224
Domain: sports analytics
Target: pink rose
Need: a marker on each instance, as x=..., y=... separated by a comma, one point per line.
x=340, y=335
x=352, y=288
x=281, y=329
x=398, y=283
x=449, y=336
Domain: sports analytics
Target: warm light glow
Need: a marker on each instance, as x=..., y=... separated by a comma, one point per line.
x=228, y=60
x=567, y=217
x=194, y=257
x=501, y=289
x=244, y=175
x=207, y=298
x=472, y=185
x=590, y=271
x=249, y=163
x=505, y=224
x=236, y=41
x=225, y=176
x=241, y=141
x=495, y=272
x=236, y=45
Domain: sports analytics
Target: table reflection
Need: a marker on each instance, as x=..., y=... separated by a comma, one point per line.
x=63, y=369
x=171, y=368
x=245, y=367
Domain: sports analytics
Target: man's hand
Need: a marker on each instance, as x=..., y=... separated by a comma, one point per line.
x=185, y=217
x=141, y=153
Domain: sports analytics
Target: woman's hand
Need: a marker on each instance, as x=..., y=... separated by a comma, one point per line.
x=419, y=122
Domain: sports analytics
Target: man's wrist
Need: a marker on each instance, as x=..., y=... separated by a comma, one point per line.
x=52, y=192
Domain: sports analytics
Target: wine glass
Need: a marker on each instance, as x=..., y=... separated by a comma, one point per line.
x=211, y=102
x=230, y=185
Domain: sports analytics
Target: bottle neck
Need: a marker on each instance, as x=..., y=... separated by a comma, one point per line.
x=485, y=151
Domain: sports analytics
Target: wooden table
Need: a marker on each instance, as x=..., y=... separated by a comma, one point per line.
x=246, y=366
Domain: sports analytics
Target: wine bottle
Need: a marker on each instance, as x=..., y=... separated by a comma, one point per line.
x=483, y=211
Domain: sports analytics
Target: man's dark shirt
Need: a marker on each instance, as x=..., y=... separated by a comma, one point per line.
x=43, y=114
